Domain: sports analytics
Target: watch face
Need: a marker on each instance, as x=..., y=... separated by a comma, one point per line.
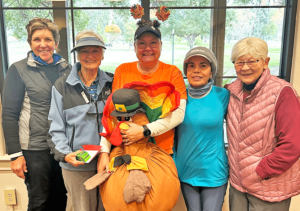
x=147, y=133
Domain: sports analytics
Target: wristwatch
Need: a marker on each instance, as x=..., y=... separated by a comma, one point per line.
x=146, y=132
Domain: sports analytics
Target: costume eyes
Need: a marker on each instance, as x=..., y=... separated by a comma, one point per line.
x=128, y=118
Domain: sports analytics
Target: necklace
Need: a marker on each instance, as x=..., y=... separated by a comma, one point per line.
x=86, y=82
x=145, y=71
x=82, y=77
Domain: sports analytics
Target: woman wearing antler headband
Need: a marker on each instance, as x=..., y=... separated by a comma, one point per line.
x=148, y=68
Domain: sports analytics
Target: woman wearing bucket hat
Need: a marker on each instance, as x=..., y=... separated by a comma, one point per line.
x=75, y=115
x=263, y=130
x=148, y=69
x=200, y=156
x=26, y=103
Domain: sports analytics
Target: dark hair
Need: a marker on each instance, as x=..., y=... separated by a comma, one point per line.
x=42, y=23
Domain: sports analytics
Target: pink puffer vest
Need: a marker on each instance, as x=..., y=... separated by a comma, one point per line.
x=251, y=136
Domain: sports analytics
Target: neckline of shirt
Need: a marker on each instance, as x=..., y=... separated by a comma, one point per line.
x=202, y=95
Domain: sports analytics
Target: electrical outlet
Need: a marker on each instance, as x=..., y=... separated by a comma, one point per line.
x=10, y=197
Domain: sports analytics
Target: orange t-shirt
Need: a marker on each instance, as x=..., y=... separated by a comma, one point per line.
x=128, y=72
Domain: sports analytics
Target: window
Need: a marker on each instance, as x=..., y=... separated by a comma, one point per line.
x=216, y=24
x=265, y=23
x=116, y=27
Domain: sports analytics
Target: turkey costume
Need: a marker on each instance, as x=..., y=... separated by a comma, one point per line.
x=144, y=176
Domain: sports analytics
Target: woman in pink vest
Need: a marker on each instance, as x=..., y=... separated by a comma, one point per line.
x=263, y=129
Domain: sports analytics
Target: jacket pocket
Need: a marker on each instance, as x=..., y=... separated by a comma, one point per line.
x=251, y=181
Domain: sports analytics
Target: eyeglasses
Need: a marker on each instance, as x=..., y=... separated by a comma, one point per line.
x=143, y=45
x=250, y=63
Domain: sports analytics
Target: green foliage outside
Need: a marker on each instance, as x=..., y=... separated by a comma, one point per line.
x=128, y=35
x=191, y=27
x=16, y=20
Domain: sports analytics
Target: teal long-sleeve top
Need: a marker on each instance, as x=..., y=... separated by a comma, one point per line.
x=201, y=158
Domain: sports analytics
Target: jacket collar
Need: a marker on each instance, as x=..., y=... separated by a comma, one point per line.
x=237, y=86
x=73, y=76
x=33, y=63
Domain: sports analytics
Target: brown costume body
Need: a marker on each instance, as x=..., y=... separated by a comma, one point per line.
x=162, y=174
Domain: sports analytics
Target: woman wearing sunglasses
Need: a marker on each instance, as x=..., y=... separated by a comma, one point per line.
x=75, y=115
x=263, y=130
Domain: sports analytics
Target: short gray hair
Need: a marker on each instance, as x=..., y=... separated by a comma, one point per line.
x=88, y=33
x=254, y=46
x=42, y=23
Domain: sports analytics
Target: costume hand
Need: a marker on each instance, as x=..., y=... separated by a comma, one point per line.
x=71, y=158
x=18, y=167
x=133, y=134
x=103, y=162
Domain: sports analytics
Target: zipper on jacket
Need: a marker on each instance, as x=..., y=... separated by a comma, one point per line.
x=242, y=110
x=101, y=97
x=72, y=139
x=243, y=102
x=236, y=97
